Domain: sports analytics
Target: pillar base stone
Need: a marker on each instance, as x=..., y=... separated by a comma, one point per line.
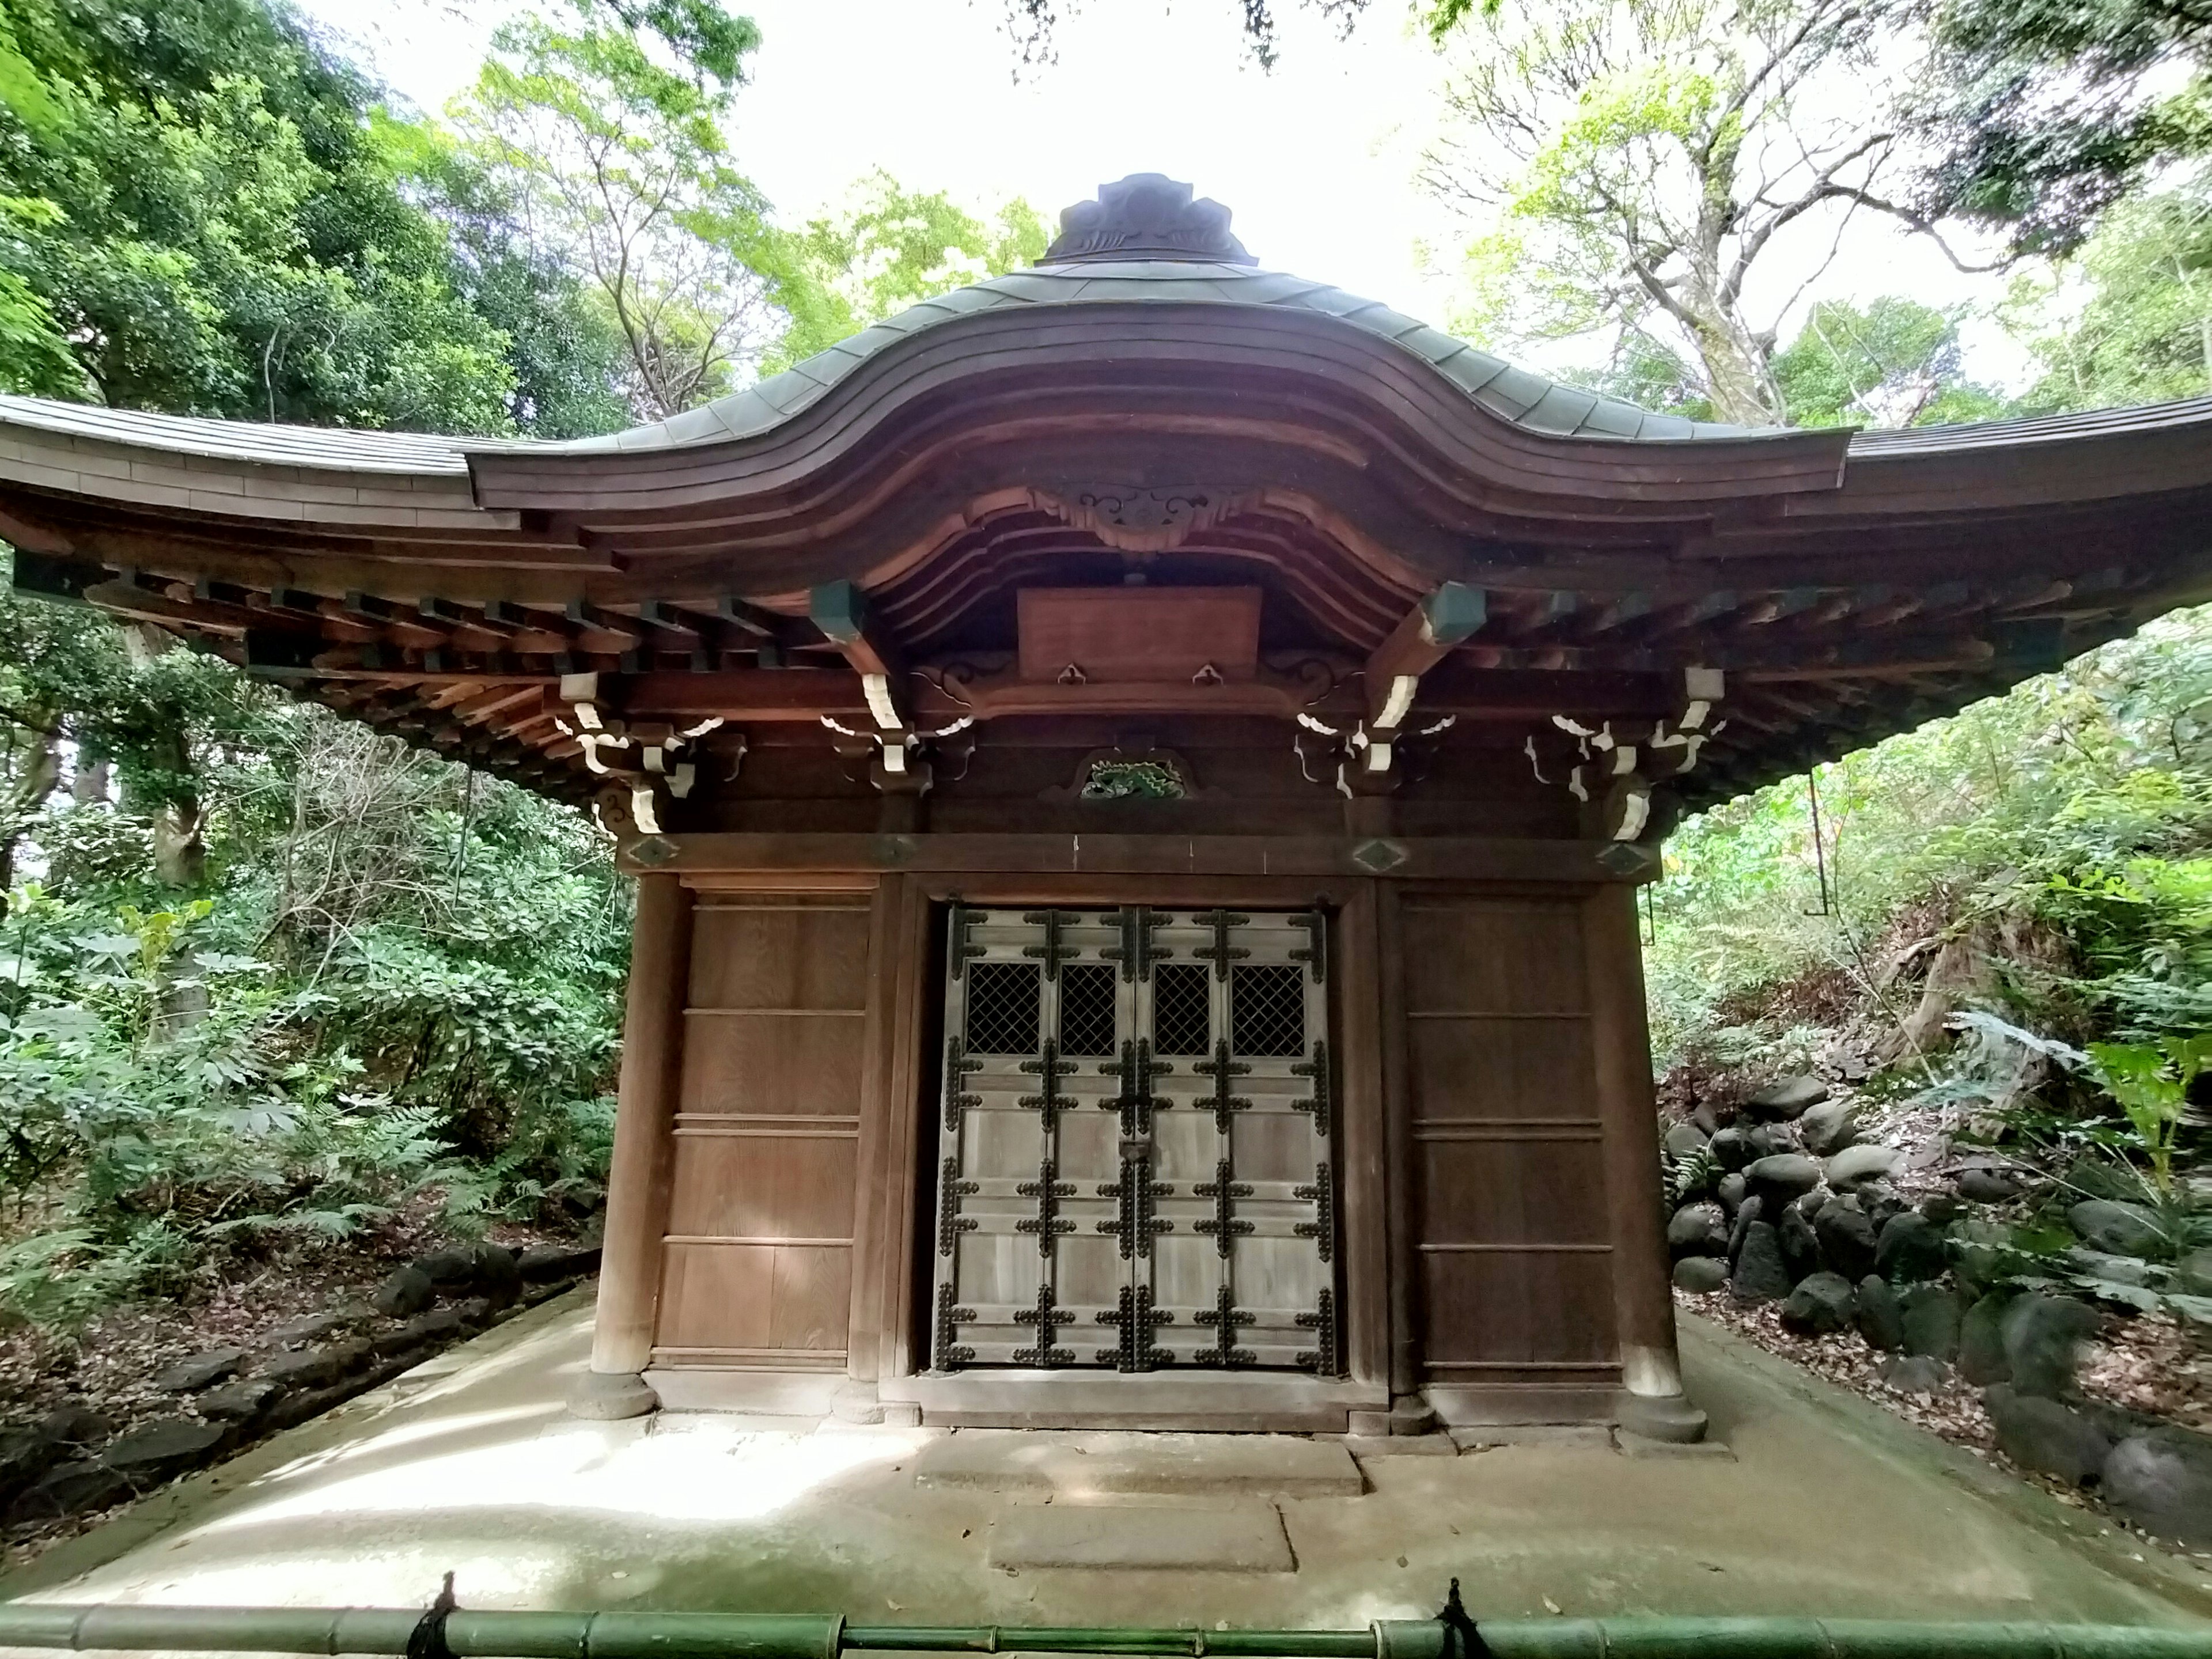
x=1665, y=1417
x=609, y=1396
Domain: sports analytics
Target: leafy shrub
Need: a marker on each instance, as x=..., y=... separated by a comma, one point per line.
x=398, y=978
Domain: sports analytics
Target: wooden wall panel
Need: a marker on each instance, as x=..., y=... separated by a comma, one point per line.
x=776, y=1064
x=1514, y=1283
x=797, y=955
x=758, y=1253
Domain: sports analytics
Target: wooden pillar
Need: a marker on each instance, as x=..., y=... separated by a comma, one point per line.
x=645, y=1121
x=1643, y=1303
x=1398, y=1148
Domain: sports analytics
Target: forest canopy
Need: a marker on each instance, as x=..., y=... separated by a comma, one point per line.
x=264, y=975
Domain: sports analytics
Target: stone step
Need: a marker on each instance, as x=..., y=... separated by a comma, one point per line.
x=1075, y=1462
x=1109, y=1537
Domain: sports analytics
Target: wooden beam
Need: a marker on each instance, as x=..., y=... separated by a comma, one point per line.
x=840, y=609
x=1423, y=639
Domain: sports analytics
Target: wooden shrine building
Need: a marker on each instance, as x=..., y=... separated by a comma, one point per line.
x=1138, y=773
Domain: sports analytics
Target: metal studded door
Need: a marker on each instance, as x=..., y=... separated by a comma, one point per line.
x=1133, y=1165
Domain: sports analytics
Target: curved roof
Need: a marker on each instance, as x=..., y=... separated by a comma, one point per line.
x=1516, y=395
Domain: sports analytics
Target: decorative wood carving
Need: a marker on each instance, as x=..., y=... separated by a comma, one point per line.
x=1142, y=520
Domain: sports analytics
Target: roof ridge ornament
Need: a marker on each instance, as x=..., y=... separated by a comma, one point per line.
x=1146, y=215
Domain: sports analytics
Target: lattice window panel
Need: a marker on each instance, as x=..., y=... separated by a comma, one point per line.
x=1003, y=1011
x=1086, y=1009
x=1183, y=1021
x=1267, y=1010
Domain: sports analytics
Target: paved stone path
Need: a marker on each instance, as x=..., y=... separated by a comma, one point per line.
x=1822, y=1504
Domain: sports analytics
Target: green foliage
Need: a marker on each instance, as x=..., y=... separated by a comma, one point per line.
x=618, y=159
x=2073, y=814
x=1630, y=167
x=2151, y=1082
x=202, y=216
x=1891, y=362
x=2041, y=116
x=888, y=249
x=2133, y=322
x=395, y=977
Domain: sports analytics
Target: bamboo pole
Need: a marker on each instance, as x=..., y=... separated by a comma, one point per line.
x=484, y=1635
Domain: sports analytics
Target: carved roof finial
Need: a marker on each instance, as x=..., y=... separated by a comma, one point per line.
x=1146, y=215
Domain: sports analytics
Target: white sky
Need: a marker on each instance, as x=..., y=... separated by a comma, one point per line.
x=1315, y=160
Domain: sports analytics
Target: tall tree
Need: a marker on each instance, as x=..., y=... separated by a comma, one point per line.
x=2040, y=115
x=2130, y=320
x=616, y=156
x=191, y=198
x=1637, y=163
x=1892, y=362
x=890, y=247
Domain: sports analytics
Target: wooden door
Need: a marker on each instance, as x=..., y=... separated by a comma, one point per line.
x=1133, y=1165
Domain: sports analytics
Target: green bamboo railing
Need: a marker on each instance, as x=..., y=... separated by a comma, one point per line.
x=469, y=1634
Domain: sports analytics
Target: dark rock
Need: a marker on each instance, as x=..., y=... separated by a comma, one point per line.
x=2192, y=1273
x=2120, y=1229
x=235, y=1402
x=1917, y=1373
x=476, y=1310
x=1800, y=1247
x=190, y=1376
x=1781, y=1178
x=1981, y=1343
x=1909, y=1248
x=1746, y=1213
x=1698, y=1230
x=1683, y=1141
x=1707, y=1120
x=493, y=1271
x=1940, y=1209
x=1730, y=1189
x=1828, y=1127
x=1855, y=1070
x=1979, y=1185
x=2162, y=1482
x=2042, y=1434
x=455, y=1264
x=1786, y=1097
x=2120, y=1269
x=299, y=1332
x=1822, y=1302
x=1759, y=1274
x=25, y=1455
x=1847, y=1237
x=152, y=1452
x=1700, y=1274
x=440, y=1325
x=297, y=1408
x=71, y=1488
x=1731, y=1148
x=350, y=1358
x=407, y=1290
x=546, y=1261
x=311, y=1368
x=1764, y=1140
x=1880, y=1321
x=2043, y=1337
x=76, y=1425
x=1855, y=1164
x=1930, y=1316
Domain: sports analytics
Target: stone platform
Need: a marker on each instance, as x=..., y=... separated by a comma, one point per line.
x=1822, y=1503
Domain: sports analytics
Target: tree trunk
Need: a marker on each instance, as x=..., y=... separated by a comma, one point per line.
x=179, y=853
x=1738, y=374
x=40, y=776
